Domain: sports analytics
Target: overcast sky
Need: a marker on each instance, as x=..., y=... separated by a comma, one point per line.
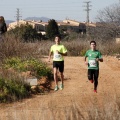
x=53, y=9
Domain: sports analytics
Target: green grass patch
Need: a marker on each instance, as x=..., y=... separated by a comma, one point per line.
x=37, y=67
x=13, y=89
x=12, y=84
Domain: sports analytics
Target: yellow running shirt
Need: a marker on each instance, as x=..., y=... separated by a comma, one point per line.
x=61, y=49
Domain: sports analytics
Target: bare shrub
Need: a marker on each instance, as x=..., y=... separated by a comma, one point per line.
x=79, y=46
x=44, y=47
x=108, y=47
x=76, y=47
x=109, y=20
x=11, y=47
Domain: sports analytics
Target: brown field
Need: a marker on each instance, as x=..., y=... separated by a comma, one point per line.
x=77, y=101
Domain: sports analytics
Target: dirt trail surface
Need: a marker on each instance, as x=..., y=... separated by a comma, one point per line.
x=76, y=101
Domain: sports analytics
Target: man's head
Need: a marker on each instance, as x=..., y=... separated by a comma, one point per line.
x=2, y=19
x=93, y=45
x=57, y=39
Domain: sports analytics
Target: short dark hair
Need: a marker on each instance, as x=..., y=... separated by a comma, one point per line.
x=59, y=36
x=92, y=42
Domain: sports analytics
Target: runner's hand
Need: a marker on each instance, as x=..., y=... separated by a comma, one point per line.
x=48, y=59
x=86, y=63
x=97, y=59
x=57, y=51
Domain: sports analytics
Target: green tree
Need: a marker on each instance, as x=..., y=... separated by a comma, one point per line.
x=26, y=32
x=52, y=29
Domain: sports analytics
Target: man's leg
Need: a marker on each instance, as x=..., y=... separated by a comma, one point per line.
x=96, y=74
x=61, y=69
x=61, y=77
x=55, y=76
x=90, y=75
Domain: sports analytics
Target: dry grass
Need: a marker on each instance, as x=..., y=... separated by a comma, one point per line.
x=108, y=110
x=105, y=106
x=78, y=47
x=77, y=110
x=12, y=47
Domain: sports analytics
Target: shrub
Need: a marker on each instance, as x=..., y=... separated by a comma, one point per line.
x=10, y=46
x=78, y=46
x=12, y=84
x=37, y=67
x=13, y=88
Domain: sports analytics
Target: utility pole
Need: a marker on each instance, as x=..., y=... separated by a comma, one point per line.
x=87, y=10
x=18, y=16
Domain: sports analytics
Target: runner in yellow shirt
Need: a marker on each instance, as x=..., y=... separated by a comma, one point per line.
x=58, y=50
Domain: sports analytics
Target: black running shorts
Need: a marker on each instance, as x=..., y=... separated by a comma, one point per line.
x=93, y=74
x=59, y=65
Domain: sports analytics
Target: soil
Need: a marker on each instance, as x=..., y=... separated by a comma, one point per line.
x=77, y=100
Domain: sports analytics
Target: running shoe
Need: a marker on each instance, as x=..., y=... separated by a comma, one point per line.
x=95, y=91
x=91, y=81
x=56, y=88
x=61, y=86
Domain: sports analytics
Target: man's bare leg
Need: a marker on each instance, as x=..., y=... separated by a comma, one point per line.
x=55, y=79
x=62, y=80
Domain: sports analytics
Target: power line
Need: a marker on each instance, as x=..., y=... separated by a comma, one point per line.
x=87, y=10
x=18, y=16
x=87, y=17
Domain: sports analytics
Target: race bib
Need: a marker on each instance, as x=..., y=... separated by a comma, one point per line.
x=57, y=56
x=92, y=63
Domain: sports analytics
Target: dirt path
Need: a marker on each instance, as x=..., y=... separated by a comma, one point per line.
x=77, y=100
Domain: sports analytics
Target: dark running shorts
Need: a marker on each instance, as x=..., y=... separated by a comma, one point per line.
x=59, y=65
x=93, y=74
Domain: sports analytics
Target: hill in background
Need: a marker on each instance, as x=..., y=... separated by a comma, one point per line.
x=44, y=19
x=9, y=21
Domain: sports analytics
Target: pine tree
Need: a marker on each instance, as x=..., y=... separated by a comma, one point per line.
x=52, y=29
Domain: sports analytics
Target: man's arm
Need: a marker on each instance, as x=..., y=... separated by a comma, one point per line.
x=63, y=54
x=64, y=51
x=49, y=57
x=99, y=59
x=85, y=60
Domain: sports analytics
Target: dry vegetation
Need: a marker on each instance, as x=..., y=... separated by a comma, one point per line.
x=78, y=47
x=82, y=103
x=16, y=58
x=77, y=101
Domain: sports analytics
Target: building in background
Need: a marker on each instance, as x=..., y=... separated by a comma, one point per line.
x=65, y=25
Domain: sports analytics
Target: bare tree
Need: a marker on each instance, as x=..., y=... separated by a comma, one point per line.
x=109, y=18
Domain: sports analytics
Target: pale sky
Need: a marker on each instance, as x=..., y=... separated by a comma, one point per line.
x=53, y=9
